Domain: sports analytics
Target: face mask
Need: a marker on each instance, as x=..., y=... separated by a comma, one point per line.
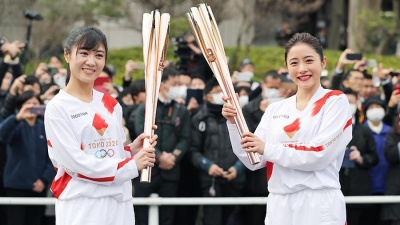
x=244, y=76
x=217, y=98
x=375, y=114
x=243, y=100
x=353, y=109
x=182, y=91
x=60, y=80
x=173, y=93
x=271, y=93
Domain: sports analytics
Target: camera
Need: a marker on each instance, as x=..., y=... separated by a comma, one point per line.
x=183, y=52
x=394, y=73
x=31, y=15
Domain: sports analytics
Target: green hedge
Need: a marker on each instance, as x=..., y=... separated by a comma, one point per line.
x=264, y=58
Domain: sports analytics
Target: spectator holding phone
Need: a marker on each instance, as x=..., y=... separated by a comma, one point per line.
x=28, y=170
x=20, y=84
x=348, y=57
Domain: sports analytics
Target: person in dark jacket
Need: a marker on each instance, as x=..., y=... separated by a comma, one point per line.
x=173, y=130
x=391, y=212
x=374, y=108
x=221, y=172
x=138, y=92
x=360, y=156
x=28, y=171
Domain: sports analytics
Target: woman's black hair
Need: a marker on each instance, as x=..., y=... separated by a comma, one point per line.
x=304, y=38
x=25, y=96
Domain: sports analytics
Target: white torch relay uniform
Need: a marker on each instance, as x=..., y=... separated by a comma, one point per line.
x=303, y=154
x=94, y=170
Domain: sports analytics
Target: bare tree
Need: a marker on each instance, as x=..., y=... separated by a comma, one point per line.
x=336, y=22
x=59, y=17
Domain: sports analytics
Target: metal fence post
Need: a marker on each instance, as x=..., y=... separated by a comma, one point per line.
x=153, y=210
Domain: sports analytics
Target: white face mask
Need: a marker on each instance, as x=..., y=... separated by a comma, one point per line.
x=375, y=114
x=182, y=91
x=173, y=92
x=271, y=93
x=243, y=100
x=353, y=109
x=60, y=80
x=217, y=98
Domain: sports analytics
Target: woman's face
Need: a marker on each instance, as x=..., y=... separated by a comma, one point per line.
x=86, y=65
x=304, y=66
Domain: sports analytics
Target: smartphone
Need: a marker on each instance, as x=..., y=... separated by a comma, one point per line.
x=371, y=63
x=52, y=70
x=38, y=109
x=347, y=163
x=354, y=56
x=195, y=93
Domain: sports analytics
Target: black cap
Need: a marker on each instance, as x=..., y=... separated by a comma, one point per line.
x=373, y=100
x=246, y=61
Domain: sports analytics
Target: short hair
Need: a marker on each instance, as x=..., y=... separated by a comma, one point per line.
x=169, y=72
x=349, y=91
x=272, y=73
x=210, y=84
x=137, y=86
x=25, y=96
x=348, y=73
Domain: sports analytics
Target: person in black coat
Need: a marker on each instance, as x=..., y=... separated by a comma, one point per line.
x=221, y=172
x=173, y=130
x=391, y=212
x=359, y=158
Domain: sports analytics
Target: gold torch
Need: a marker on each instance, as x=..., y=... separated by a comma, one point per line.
x=205, y=30
x=155, y=30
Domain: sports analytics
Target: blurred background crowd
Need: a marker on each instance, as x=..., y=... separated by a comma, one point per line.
x=194, y=154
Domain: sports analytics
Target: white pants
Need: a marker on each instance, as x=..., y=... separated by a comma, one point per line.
x=307, y=207
x=94, y=211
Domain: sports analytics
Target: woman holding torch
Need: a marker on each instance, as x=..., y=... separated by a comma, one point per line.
x=85, y=141
x=301, y=140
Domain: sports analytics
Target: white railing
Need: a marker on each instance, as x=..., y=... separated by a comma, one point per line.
x=154, y=202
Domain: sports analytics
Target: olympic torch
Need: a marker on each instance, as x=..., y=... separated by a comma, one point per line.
x=155, y=30
x=205, y=30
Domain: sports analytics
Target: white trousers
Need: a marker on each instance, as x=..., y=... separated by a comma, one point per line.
x=307, y=207
x=94, y=211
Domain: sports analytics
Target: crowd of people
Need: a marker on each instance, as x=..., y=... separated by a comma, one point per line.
x=194, y=154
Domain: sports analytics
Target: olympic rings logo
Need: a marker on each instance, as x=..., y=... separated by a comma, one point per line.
x=102, y=153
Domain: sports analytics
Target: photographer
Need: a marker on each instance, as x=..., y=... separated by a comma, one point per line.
x=191, y=60
x=9, y=53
